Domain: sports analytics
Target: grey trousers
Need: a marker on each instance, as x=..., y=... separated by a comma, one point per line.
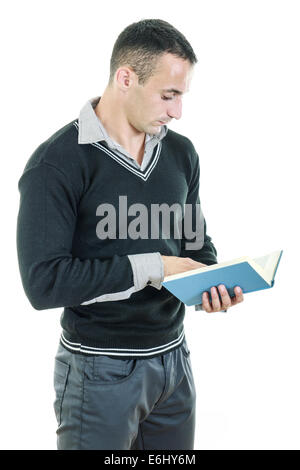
x=135, y=404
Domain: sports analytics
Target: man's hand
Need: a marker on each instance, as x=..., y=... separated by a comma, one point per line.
x=177, y=264
x=226, y=302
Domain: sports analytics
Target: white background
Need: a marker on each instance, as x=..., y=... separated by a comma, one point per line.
x=242, y=114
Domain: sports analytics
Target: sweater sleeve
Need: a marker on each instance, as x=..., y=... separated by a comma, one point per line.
x=50, y=275
x=196, y=243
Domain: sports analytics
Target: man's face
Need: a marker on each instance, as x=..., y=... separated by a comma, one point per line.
x=150, y=106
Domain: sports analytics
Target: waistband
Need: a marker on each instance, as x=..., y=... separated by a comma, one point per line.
x=80, y=348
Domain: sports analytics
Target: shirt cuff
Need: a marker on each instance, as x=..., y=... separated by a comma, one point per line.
x=148, y=269
x=198, y=307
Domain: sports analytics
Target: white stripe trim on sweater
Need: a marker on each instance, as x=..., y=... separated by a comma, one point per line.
x=143, y=175
x=120, y=352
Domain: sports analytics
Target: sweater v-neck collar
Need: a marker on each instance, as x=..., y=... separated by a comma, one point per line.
x=143, y=174
x=91, y=131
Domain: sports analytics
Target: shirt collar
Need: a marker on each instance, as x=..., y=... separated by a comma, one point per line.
x=91, y=129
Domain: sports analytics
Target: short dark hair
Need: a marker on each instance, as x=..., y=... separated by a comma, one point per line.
x=140, y=45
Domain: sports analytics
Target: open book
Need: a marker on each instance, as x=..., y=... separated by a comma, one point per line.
x=250, y=274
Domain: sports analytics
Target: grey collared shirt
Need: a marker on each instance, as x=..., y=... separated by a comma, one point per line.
x=91, y=130
x=148, y=268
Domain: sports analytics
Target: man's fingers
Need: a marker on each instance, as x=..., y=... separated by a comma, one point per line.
x=226, y=300
x=205, y=302
x=214, y=305
x=238, y=296
x=215, y=299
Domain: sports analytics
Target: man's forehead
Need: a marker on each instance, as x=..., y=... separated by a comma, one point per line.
x=176, y=70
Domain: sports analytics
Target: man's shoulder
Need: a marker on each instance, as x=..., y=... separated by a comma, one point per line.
x=179, y=141
x=63, y=134
x=57, y=149
x=181, y=146
x=62, y=139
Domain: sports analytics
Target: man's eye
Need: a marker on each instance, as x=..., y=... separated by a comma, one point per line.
x=166, y=98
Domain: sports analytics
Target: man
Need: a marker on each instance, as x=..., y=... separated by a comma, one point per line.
x=123, y=377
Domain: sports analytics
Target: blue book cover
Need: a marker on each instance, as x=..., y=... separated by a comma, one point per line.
x=250, y=274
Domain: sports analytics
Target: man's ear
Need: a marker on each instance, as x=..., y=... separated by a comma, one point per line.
x=125, y=77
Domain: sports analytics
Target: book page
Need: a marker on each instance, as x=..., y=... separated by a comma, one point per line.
x=264, y=265
x=268, y=263
x=211, y=267
x=262, y=261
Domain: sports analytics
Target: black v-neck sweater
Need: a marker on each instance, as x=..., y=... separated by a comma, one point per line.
x=63, y=263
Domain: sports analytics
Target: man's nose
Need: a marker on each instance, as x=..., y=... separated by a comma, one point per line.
x=175, y=109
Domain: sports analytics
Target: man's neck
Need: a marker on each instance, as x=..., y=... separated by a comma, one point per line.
x=117, y=126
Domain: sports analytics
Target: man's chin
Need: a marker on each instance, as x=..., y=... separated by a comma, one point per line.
x=155, y=129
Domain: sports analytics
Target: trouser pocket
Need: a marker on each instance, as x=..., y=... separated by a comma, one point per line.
x=185, y=348
x=61, y=372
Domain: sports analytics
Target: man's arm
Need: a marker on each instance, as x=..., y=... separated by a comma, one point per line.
x=50, y=275
x=205, y=252
x=198, y=250
x=200, y=246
